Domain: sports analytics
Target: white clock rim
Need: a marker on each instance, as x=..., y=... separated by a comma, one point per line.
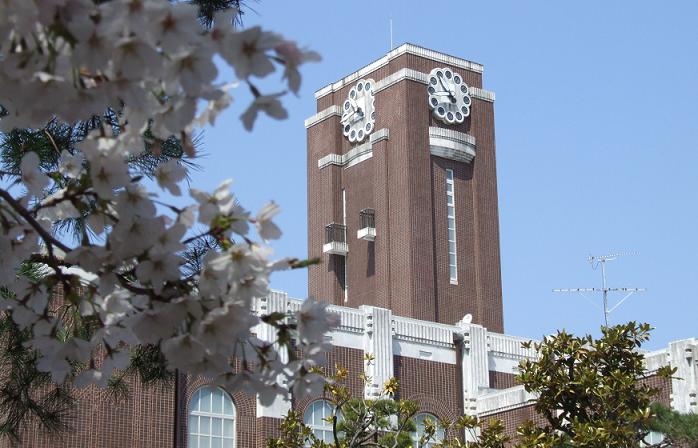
x=369, y=118
x=462, y=96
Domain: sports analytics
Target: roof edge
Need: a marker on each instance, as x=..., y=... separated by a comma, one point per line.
x=394, y=53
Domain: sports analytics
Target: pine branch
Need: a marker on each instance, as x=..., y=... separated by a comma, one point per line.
x=25, y=392
x=209, y=8
x=49, y=142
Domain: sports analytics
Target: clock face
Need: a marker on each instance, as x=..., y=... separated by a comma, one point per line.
x=448, y=96
x=358, y=111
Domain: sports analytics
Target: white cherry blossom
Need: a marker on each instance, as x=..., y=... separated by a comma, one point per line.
x=32, y=177
x=266, y=228
x=107, y=171
x=313, y=321
x=134, y=202
x=221, y=202
x=174, y=28
x=169, y=174
x=134, y=58
x=94, y=47
x=293, y=57
x=70, y=164
x=247, y=50
x=151, y=63
x=269, y=104
x=159, y=268
x=193, y=69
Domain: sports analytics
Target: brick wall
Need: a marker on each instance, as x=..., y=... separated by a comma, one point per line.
x=144, y=418
x=435, y=386
x=348, y=358
x=664, y=387
x=502, y=380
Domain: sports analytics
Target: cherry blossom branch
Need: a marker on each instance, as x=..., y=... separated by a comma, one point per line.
x=138, y=291
x=24, y=213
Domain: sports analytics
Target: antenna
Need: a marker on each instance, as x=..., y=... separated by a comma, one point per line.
x=595, y=262
x=391, y=31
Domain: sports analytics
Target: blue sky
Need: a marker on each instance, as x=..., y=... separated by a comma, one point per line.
x=596, y=121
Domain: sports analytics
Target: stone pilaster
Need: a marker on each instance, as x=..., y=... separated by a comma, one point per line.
x=378, y=342
x=276, y=302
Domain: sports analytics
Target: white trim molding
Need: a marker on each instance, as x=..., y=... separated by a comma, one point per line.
x=482, y=94
x=399, y=51
x=474, y=351
x=323, y=115
x=423, y=78
x=394, y=78
x=355, y=155
x=504, y=400
x=400, y=75
x=451, y=144
x=366, y=233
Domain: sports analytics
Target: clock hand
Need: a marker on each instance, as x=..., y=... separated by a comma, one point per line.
x=450, y=94
x=355, y=108
x=346, y=117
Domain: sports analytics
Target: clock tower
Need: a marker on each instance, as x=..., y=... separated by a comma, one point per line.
x=402, y=190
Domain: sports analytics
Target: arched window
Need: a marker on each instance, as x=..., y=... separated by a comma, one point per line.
x=317, y=418
x=211, y=419
x=438, y=436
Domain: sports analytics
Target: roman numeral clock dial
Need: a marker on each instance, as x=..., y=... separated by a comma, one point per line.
x=448, y=96
x=359, y=112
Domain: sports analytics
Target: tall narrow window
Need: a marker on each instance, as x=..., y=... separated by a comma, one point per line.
x=344, y=221
x=451, y=217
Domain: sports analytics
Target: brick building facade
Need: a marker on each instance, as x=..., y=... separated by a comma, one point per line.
x=433, y=321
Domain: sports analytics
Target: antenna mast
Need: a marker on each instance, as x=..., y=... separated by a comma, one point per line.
x=595, y=262
x=391, y=32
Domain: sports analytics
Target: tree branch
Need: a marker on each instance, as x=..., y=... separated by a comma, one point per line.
x=24, y=213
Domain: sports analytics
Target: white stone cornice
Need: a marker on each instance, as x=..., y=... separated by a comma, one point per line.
x=656, y=359
x=504, y=400
x=422, y=78
x=355, y=155
x=411, y=75
x=481, y=94
x=323, y=115
x=428, y=333
x=405, y=73
x=399, y=51
x=451, y=144
x=379, y=135
x=510, y=346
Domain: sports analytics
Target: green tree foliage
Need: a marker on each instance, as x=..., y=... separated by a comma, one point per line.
x=589, y=390
x=590, y=394
x=676, y=427
x=383, y=422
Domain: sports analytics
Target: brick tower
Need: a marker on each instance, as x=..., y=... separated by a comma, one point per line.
x=402, y=190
